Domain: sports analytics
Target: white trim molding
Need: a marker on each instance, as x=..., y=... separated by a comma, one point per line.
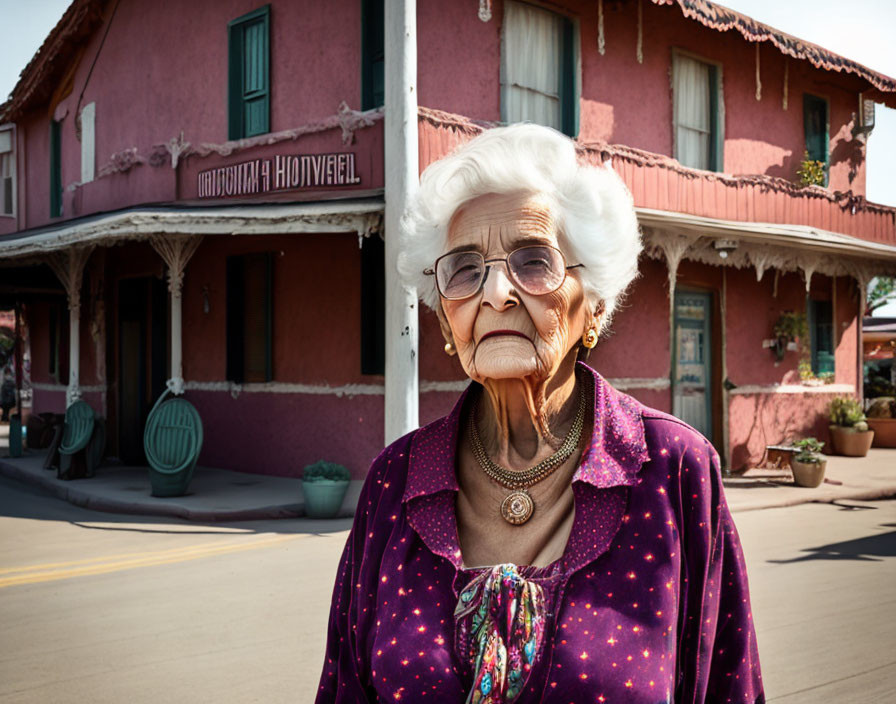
x=62, y=388
x=754, y=389
x=649, y=384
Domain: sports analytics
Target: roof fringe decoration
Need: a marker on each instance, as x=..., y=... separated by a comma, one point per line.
x=640, y=52
x=485, y=10
x=722, y=19
x=601, y=40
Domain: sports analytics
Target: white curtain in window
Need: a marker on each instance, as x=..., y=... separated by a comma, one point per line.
x=693, y=130
x=531, y=65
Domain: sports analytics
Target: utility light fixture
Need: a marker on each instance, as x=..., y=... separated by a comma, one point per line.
x=725, y=247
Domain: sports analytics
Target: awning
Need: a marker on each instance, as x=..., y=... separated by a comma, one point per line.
x=361, y=217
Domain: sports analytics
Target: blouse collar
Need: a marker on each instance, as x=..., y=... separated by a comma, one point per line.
x=614, y=457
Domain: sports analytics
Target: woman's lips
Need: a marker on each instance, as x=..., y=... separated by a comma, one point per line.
x=492, y=333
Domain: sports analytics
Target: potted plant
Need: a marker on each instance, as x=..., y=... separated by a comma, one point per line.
x=789, y=327
x=882, y=420
x=850, y=435
x=811, y=171
x=324, y=485
x=808, y=464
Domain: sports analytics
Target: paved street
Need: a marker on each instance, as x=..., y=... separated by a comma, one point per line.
x=106, y=609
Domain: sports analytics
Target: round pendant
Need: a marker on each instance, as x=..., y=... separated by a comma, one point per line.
x=517, y=508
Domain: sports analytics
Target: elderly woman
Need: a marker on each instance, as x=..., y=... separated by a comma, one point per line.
x=550, y=539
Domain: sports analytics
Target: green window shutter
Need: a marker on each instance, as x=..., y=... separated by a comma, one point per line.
x=821, y=335
x=55, y=170
x=715, y=136
x=249, y=81
x=373, y=305
x=373, y=86
x=568, y=97
x=815, y=124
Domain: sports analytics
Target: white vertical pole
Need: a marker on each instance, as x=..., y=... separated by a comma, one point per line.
x=177, y=366
x=74, y=347
x=402, y=179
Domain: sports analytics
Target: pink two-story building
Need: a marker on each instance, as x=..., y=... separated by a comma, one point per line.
x=200, y=205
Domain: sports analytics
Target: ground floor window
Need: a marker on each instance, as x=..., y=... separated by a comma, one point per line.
x=250, y=318
x=373, y=305
x=821, y=333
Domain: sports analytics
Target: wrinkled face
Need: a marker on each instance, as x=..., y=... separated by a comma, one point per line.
x=501, y=332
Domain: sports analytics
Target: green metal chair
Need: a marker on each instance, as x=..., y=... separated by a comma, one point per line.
x=79, y=422
x=172, y=441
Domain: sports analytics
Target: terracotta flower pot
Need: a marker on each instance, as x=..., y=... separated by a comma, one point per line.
x=849, y=442
x=808, y=474
x=884, y=431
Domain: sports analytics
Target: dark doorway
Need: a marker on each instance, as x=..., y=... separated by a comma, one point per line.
x=142, y=359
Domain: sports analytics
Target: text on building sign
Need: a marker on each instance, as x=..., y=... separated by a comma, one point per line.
x=283, y=172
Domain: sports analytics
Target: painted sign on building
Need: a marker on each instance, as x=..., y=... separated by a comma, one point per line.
x=281, y=173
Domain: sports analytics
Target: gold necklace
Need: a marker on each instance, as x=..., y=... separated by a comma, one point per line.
x=518, y=506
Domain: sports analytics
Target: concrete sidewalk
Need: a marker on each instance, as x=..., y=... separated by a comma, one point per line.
x=222, y=495
x=857, y=478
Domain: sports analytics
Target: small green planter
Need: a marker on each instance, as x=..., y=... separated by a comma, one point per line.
x=323, y=497
x=324, y=485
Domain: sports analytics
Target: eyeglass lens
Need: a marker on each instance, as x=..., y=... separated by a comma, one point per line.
x=536, y=270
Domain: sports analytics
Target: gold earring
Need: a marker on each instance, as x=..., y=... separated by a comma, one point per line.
x=589, y=339
x=449, y=349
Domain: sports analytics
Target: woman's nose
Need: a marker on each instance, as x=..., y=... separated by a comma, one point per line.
x=497, y=290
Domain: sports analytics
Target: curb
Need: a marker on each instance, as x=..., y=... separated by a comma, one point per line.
x=84, y=499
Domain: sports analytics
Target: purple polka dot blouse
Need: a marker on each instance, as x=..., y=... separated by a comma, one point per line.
x=649, y=602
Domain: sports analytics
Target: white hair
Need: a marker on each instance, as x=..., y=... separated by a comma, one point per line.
x=593, y=208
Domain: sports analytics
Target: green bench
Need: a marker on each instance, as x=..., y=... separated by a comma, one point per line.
x=172, y=442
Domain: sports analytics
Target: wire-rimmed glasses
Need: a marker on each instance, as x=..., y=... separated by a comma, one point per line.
x=534, y=269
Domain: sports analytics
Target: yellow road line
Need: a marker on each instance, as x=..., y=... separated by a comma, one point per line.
x=107, y=558
x=147, y=560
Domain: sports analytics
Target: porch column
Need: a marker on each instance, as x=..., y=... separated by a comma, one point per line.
x=402, y=179
x=176, y=251
x=69, y=267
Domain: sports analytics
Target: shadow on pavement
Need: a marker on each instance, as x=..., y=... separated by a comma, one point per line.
x=21, y=500
x=873, y=548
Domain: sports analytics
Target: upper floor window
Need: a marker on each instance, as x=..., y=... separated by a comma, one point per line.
x=815, y=126
x=55, y=169
x=697, y=112
x=373, y=86
x=249, y=89
x=7, y=172
x=538, y=68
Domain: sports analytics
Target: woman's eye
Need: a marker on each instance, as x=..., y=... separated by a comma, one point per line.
x=465, y=273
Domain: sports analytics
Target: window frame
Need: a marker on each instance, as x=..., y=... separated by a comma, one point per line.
x=716, y=108
x=236, y=128
x=13, y=153
x=823, y=100
x=571, y=70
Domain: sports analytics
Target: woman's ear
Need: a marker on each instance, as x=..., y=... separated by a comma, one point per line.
x=444, y=327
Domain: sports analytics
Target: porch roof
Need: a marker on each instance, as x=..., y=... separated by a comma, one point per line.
x=361, y=217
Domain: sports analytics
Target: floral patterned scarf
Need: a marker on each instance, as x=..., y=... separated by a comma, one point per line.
x=500, y=625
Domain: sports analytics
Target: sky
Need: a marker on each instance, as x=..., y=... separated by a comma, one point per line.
x=861, y=30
